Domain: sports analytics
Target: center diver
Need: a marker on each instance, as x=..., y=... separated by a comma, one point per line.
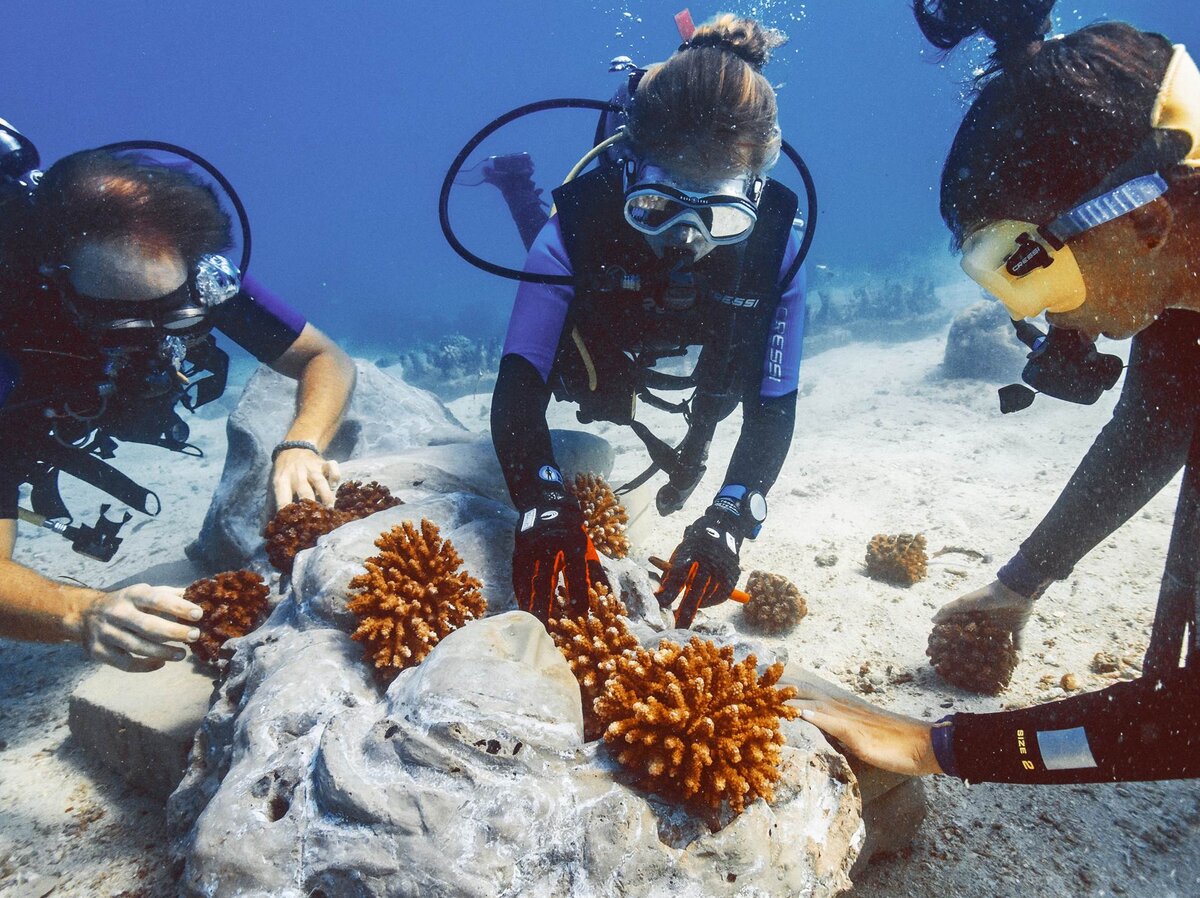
x=677, y=239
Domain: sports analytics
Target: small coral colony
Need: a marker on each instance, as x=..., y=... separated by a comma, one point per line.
x=688, y=722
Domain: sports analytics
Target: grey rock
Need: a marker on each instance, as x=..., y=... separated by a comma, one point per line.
x=982, y=344
x=470, y=778
x=386, y=416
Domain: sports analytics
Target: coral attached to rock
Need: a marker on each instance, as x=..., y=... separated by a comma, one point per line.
x=972, y=652
x=360, y=500
x=411, y=596
x=897, y=559
x=695, y=727
x=775, y=605
x=234, y=603
x=603, y=513
x=591, y=646
x=298, y=525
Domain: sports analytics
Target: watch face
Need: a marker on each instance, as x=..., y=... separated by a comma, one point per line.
x=756, y=503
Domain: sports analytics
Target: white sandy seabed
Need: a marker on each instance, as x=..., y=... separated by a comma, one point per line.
x=883, y=445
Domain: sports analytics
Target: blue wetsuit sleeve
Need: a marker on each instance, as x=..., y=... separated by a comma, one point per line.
x=769, y=406
x=540, y=310
x=785, y=345
x=519, y=431
x=259, y=321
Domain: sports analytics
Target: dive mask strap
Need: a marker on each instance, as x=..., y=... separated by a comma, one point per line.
x=1107, y=207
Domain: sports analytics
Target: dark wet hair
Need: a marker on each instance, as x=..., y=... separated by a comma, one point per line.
x=709, y=105
x=97, y=195
x=1052, y=118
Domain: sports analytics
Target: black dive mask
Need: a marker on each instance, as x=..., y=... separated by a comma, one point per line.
x=1063, y=364
x=183, y=313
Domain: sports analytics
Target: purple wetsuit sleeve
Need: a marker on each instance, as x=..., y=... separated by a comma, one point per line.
x=540, y=309
x=259, y=321
x=781, y=366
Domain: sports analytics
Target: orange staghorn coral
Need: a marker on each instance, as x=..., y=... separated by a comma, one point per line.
x=973, y=652
x=694, y=727
x=411, y=596
x=775, y=605
x=360, y=500
x=591, y=646
x=604, y=515
x=897, y=559
x=234, y=603
x=296, y=527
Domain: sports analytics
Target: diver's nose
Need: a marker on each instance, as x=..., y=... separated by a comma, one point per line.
x=684, y=235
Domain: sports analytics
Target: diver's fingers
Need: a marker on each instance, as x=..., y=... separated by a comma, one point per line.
x=121, y=660
x=322, y=487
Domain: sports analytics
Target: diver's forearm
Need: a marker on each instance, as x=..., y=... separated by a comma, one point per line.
x=34, y=608
x=323, y=393
x=762, y=447
x=520, y=433
x=1147, y=729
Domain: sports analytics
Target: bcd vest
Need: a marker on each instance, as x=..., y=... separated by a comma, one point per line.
x=626, y=315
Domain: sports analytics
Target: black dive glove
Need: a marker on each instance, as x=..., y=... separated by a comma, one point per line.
x=704, y=567
x=551, y=540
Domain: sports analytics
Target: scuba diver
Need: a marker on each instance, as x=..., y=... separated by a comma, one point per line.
x=112, y=279
x=1073, y=188
x=677, y=239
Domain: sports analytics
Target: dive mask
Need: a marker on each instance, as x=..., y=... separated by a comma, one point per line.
x=1030, y=268
x=727, y=215
x=213, y=281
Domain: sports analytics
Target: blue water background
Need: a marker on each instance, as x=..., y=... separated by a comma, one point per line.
x=336, y=122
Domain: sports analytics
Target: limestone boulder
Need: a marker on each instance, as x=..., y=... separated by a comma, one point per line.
x=982, y=344
x=469, y=777
x=386, y=416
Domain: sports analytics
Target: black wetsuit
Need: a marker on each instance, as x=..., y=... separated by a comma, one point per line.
x=1142, y=730
x=1147, y=729
x=42, y=352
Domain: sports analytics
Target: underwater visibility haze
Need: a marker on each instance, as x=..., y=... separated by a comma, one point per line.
x=336, y=122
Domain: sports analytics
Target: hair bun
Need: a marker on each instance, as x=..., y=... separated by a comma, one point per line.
x=745, y=38
x=1008, y=23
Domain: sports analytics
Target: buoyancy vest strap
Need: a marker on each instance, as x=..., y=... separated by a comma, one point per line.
x=104, y=477
x=586, y=357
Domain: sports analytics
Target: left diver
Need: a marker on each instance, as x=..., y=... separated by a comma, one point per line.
x=112, y=279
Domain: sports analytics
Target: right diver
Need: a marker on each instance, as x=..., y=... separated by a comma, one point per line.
x=1073, y=188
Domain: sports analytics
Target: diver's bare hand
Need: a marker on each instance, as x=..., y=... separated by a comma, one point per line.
x=302, y=474
x=132, y=628
x=1002, y=606
x=886, y=740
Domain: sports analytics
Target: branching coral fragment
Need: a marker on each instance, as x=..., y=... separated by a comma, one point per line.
x=973, y=652
x=775, y=605
x=693, y=726
x=360, y=500
x=603, y=514
x=234, y=603
x=298, y=525
x=591, y=646
x=897, y=559
x=411, y=596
